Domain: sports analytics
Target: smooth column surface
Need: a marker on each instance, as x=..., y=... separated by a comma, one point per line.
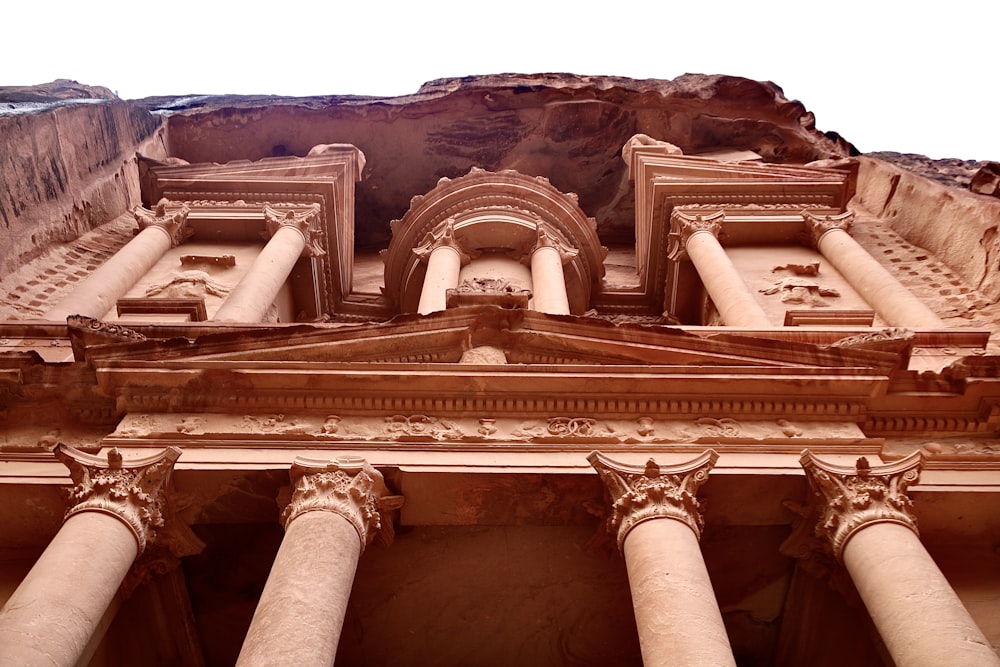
x=301, y=611
x=917, y=613
x=548, y=283
x=731, y=296
x=676, y=613
x=53, y=613
x=444, y=263
x=251, y=298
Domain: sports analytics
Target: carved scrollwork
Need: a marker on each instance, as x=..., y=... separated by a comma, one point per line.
x=131, y=491
x=566, y=427
x=852, y=498
x=720, y=428
x=421, y=426
x=652, y=492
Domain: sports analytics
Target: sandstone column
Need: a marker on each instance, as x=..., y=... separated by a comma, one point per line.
x=893, y=302
x=336, y=510
x=118, y=505
x=696, y=238
x=866, y=516
x=445, y=258
x=292, y=234
x=657, y=519
x=99, y=292
x=548, y=283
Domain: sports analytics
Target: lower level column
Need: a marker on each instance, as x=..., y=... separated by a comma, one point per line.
x=336, y=510
x=866, y=518
x=656, y=517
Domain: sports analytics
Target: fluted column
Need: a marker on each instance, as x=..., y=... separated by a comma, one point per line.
x=893, y=302
x=98, y=293
x=293, y=233
x=117, y=508
x=548, y=282
x=658, y=523
x=866, y=517
x=337, y=509
x=696, y=237
x=445, y=258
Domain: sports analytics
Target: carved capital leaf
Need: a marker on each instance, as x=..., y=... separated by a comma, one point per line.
x=174, y=223
x=133, y=491
x=302, y=221
x=850, y=499
x=348, y=486
x=818, y=226
x=652, y=492
x=548, y=237
x=442, y=236
x=683, y=226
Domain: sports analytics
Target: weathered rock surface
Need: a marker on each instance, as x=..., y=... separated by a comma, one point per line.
x=986, y=181
x=952, y=172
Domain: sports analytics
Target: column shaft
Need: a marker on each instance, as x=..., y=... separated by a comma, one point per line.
x=676, y=614
x=736, y=303
x=917, y=613
x=301, y=611
x=548, y=283
x=893, y=302
x=444, y=263
x=250, y=299
x=53, y=613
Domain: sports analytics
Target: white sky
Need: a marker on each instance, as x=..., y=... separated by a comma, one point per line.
x=887, y=75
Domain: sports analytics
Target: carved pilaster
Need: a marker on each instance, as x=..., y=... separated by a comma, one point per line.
x=683, y=226
x=851, y=498
x=347, y=486
x=132, y=491
x=304, y=222
x=817, y=226
x=441, y=236
x=641, y=493
x=550, y=238
x=174, y=224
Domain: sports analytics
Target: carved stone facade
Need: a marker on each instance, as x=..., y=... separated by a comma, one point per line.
x=470, y=333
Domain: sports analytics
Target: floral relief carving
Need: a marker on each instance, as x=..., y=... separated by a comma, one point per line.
x=720, y=428
x=174, y=224
x=566, y=427
x=305, y=222
x=852, y=498
x=421, y=426
x=132, y=492
x=818, y=226
x=641, y=493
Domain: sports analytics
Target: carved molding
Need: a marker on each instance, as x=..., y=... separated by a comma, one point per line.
x=174, y=223
x=683, y=226
x=850, y=499
x=818, y=226
x=132, y=491
x=893, y=339
x=653, y=492
x=304, y=222
x=348, y=486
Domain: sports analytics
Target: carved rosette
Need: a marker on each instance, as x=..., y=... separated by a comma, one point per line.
x=132, y=491
x=441, y=236
x=683, y=226
x=653, y=492
x=818, y=226
x=850, y=499
x=174, y=224
x=348, y=486
x=304, y=222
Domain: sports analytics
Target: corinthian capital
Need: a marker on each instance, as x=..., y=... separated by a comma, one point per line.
x=173, y=223
x=550, y=238
x=851, y=498
x=347, y=486
x=818, y=226
x=133, y=491
x=302, y=221
x=442, y=236
x=683, y=226
x=641, y=493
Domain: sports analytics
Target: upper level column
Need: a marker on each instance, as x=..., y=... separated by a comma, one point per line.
x=893, y=302
x=98, y=293
x=292, y=234
x=866, y=516
x=445, y=258
x=697, y=238
x=548, y=283
x=118, y=507
x=657, y=519
x=338, y=507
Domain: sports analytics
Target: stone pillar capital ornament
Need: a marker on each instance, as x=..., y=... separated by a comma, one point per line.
x=131, y=491
x=304, y=222
x=550, y=238
x=442, y=236
x=852, y=498
x=641, y=493
x=683, y=226
x=173, y=224
x=348, y=486
x=818, y=226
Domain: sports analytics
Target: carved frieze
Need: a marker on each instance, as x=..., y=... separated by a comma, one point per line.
x=132, y=491
x=851, y=498
x=173, y=223
x=653, y=492
x=348, y=486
